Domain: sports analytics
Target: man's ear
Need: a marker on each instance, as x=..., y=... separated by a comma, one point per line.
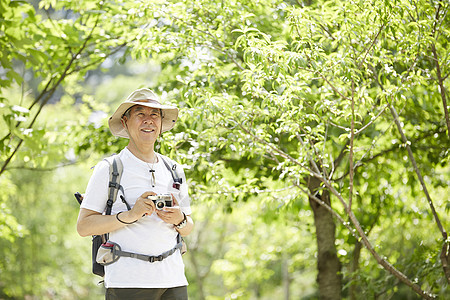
x=123, y=121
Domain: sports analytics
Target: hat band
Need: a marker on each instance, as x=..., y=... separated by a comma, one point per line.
x=147, y=101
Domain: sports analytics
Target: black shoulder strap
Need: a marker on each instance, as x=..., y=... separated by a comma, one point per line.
x=115, y=174
x=177, y=180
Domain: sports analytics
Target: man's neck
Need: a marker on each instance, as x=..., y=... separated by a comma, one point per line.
x=147, y=154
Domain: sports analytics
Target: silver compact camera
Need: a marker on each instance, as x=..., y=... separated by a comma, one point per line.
x=161, y=201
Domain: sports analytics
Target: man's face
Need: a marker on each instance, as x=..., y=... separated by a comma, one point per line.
x=144, y=123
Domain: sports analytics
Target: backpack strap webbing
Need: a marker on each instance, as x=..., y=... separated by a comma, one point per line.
x=177, y=180
x=117, y=252
x=115, y=174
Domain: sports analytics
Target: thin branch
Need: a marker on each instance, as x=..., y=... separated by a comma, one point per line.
x=49, y=94
x=320, y=117
x=332, y=86
x=341, y=155
x=98, y=61
x=319, y=157
x=320, y=24
x=254, y=191
x=371, y=45
x=352, y=138
x=364, y=160
x=44, y=91
x=321, y=75
x=416, y=169
x=384, y=263
x=43, y=169
x=41, y=95
x=445, y=253
x=218, y=48
x=8, y=160
x=361, y=162
x=371, y=121
x=439, y=75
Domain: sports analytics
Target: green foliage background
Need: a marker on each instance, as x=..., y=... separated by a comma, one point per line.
x=266, y=89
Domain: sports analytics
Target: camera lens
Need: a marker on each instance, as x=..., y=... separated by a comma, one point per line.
x=160, y=205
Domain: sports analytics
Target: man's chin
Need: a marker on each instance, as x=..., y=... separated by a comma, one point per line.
x=146, y=138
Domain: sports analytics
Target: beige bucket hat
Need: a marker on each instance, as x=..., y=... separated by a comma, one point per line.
x=144, y=97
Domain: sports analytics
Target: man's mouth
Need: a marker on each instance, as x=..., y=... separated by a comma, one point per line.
x=147, y=130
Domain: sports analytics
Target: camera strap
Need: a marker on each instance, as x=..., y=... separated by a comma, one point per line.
x=177, y=180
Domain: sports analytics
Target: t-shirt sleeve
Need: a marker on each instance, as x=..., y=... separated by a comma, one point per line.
x=97, y=189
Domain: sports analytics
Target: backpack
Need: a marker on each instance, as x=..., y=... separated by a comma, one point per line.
x=115, y=174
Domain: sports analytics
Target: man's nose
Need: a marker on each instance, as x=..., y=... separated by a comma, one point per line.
x=148, y=120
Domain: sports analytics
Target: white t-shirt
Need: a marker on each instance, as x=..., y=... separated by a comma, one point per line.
x=149, y=235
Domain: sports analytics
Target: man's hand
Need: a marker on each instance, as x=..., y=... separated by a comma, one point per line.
x=143, y=206
x=171, y=215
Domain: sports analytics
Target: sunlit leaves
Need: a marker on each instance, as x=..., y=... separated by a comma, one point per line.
x=264, y=88
x=9, y=227
x=295, y=91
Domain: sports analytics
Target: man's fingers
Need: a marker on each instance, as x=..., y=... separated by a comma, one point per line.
x=175, y=202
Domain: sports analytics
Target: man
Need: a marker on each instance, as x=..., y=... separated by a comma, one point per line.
x=142, y=229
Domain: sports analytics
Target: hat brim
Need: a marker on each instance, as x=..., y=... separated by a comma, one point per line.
x=169, y=117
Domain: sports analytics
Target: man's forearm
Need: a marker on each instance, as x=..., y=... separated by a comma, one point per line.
x=94, y=223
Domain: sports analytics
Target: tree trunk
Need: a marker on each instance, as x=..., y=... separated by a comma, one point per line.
x=354, y=267
x=286, y=277
x=328, y=264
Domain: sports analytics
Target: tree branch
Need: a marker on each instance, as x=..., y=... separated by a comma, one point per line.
x=352, y=138
x=48, y=94
x=216, y=48
x=371, y=45
x=329, y=209
x=416, y=169
x=43, y=169
x=439, y=75
x=316, y=173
